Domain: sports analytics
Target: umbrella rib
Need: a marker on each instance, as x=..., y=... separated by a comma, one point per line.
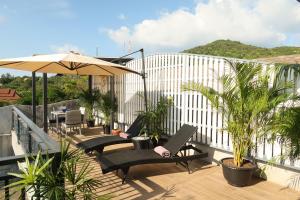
x=63, y=65
x=43, y=67
x=104, y=69
x=11, y=63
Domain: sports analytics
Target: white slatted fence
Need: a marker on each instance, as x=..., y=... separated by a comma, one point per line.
x=165, y=75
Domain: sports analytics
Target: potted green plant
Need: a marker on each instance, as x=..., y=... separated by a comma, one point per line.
x=107, y=106
x=89, y=100
x=247, y=101
x=154, y=118
x=43, y=182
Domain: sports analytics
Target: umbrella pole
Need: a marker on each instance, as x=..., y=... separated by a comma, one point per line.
x=45, y=102
x=90, y=83
x=33, y=100
x=144, y=80
x=112, y=93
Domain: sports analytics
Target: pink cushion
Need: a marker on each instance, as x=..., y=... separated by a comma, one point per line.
x=123, y=135
x=163, y=152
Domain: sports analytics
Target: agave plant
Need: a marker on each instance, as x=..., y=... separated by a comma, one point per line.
x=69, y=181
x=247, y=102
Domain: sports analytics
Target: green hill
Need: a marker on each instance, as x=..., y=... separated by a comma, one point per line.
x=235, y=49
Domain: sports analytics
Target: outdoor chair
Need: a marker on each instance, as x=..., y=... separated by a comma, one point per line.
x=73, y=120
x=99, y=143
x=176, y=146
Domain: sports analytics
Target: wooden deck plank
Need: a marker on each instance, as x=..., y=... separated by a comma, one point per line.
x=153, y=181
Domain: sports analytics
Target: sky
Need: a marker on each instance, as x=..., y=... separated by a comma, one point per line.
x=116, y=27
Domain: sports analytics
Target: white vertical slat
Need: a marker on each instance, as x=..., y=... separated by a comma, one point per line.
x=190, y=94
x=195, y=94
x=219, y=88
x=172, y=89
x=200, y=108
x=180, y=107
x=204, y=108
x=209, y=109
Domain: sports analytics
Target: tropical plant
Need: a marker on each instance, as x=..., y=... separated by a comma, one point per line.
x=89, y=99
x=247, y=102
x=107, y=106
x=286, y=128
x=154, y=118
x=45, y=182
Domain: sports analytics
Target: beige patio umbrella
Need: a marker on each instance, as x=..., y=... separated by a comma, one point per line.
x=68, y=63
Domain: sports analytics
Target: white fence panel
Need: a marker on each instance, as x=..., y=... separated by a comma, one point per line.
x=165, y=74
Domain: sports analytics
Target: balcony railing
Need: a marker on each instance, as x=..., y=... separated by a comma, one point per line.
x=27, y=140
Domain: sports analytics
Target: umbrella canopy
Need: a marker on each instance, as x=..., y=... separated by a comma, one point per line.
x=68, y=63
x=288, y=59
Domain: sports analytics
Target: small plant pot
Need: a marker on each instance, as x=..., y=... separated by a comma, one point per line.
x=237, y=176
x=90, y=123
x=115, y=131
x=141, y=142
x=106, y=129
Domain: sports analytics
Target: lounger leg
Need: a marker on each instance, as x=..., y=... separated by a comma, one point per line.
x=187, y=166
x=125, y=174
x=100, y=150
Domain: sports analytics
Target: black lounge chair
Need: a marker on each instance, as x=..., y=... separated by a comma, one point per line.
x=99, y=143
x=123, y=160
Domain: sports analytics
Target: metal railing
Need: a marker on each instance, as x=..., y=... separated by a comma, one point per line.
x=31, y=139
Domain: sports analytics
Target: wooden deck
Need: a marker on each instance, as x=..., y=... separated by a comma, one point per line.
x=169, y=181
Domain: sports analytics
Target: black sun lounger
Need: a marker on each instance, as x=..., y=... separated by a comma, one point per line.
x=123, y=160
x=99, y=143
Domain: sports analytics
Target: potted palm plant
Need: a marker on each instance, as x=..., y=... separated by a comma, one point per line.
x=107, y=106
x=246, y=102
x=89, y=99
x=154, y=118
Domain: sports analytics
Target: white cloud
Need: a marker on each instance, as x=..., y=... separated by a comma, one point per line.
x=259, y=22
x=122, y=17
x=66, y=48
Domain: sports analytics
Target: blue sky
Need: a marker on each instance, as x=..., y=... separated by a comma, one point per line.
x=39, y=26
x=117, y=26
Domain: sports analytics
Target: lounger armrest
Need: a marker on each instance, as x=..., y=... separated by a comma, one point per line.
x=186, y=148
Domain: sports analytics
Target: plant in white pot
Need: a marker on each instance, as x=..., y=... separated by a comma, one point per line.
x=247, y=101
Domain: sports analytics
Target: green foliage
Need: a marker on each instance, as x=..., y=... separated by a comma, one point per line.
x=6, y=78
x=59, y=87
x=234, y=49
x=89, y=100
x=40, y=178
x=286, y=123
x=154, y=118
x=247, y=102
x=107, y=106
